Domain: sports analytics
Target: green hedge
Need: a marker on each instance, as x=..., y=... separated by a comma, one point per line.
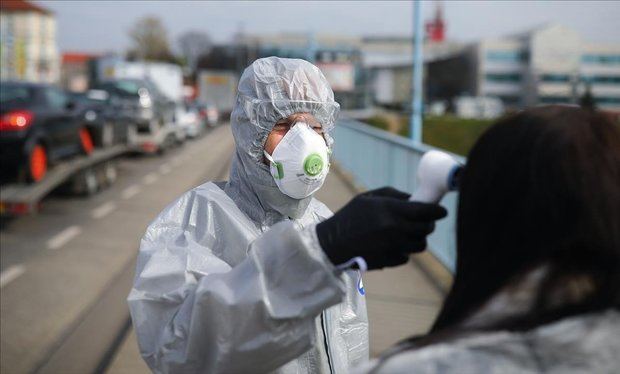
x=454, y=134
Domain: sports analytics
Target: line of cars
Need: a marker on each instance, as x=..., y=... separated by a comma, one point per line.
x=42, y=125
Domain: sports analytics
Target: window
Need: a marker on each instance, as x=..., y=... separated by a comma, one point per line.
x=506, y=56
x=10, y=94
x=555, y=78
x=503, y=77
x=601, y=79
x=607, y=100
x=601, y=59
x=55, y=98
x=554, y=99
x=510, y=100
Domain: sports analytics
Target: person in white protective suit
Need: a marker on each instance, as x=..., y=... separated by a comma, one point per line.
x=237, y=277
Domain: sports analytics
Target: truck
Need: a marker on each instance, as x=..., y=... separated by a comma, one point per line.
x=218, y=88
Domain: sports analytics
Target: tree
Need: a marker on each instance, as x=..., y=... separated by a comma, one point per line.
x=150, y=40
x=192, y=45
x=587, y=100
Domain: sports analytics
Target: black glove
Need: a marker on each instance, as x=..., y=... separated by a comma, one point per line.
x=382, y=226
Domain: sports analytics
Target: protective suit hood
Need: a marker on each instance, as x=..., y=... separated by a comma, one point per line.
x=270, y=89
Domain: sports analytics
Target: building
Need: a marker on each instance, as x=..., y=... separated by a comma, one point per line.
x=547, y=65
x=28, y=49
x=75, y=71
x=338, y=57
x=389, y=62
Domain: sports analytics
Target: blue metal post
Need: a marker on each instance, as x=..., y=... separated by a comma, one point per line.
x=416, y=105
x=311, y=47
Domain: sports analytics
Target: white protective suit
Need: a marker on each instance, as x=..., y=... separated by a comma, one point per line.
x=230, y=277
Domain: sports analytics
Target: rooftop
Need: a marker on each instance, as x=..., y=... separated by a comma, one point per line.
x=11, y=6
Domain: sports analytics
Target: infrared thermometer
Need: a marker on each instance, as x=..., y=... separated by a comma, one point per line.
x=438, y=173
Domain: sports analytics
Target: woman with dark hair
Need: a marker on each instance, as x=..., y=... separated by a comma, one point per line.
x=537, y=283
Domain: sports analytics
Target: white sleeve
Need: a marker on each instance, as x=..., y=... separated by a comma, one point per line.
x=253, y=317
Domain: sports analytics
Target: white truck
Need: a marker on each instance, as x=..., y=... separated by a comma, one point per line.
x=218, y=88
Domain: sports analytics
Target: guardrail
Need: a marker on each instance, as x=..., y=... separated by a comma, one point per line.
x=376, y=158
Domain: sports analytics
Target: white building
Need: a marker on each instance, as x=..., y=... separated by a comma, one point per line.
x=28, y=49
x=547, y=65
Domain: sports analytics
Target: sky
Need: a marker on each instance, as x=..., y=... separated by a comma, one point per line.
x=101, y=26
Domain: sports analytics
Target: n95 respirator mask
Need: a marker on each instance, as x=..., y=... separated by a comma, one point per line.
x=300, y=162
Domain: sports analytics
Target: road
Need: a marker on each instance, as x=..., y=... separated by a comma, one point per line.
x=65, y=273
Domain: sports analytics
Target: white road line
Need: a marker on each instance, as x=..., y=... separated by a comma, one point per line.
x=10, y=274
x=165, y=169
x=103, y=210
x=131, y=191
x=63, y=237
x=150, y=178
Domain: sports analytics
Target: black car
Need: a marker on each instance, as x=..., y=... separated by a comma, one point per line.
x=38, y=126
x=103, y=117
x=142, y=101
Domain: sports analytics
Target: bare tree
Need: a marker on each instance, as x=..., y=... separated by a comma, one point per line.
x=150, y=40
x=192, y=45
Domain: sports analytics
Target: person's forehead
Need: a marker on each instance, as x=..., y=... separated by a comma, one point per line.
x=301, y=116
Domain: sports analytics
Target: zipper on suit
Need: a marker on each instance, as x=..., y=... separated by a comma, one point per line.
x=324, y=328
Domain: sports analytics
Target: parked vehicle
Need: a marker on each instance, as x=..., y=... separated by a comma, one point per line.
x=149, y=109
x=107, y=125
x=219, y=88
x=168, y=78
x=38, y=127
x=209, y=114
x=189, y=119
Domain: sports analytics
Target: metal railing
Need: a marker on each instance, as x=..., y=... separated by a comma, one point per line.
x=376, y=158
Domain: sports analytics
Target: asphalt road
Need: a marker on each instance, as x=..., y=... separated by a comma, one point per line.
x=64, y=273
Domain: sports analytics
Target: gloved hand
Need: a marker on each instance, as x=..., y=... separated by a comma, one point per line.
x=382, y=226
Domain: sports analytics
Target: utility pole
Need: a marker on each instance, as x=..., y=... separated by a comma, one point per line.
x=418, y=64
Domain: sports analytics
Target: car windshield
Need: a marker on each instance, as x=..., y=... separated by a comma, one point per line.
x=13, y=94
x=123, y=88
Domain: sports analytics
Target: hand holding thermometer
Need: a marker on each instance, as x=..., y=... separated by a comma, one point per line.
x=437, y=174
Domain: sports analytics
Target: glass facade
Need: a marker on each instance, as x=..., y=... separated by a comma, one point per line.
x=555, y=78
x=601, y=59
x=554, y=99
x=601, y=79
x=503, y=77
x=506, y=56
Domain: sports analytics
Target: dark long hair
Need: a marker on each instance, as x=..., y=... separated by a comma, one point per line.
x=541, y=189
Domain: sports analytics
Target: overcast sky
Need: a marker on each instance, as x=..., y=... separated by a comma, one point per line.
x=98, y=26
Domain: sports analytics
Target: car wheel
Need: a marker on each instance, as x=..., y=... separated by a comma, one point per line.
x=110, y=173
x=132, y=134
x=107, y=135
x=86, y=141
x=91, y=182
x=37, y=164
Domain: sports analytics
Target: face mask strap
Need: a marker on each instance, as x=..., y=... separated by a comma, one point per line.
x=275, y=164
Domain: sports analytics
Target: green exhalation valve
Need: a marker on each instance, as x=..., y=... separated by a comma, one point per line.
x=313, y=164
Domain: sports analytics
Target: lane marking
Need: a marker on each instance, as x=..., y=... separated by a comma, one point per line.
x=165, y=169
x=150, y=178
x=10, y=274
x=131, y=191
x=63, y=237
x=103, y=210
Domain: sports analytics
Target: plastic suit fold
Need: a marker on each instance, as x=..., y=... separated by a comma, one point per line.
x=230, y=277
